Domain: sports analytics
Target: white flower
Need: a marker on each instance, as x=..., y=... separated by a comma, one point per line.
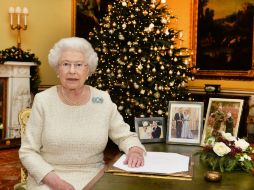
x=246, y=157
x=241, y=159
x=163, y=1
x=221, y=149
x=241, y=143
x=228, y=136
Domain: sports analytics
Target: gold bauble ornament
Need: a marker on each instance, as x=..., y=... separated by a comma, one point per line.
x=160, y=88
x=167, y=88
x=141, y=106
x=160, y=112
x=157, y=95
x=145, y=12
x=150, y=79
x=136, y=86
x=140, y=67
x=124, y=4
x=120, y=108
x=143, y=59
x=142, y=91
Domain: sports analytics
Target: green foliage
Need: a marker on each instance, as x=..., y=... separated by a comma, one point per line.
x=224, y=164
x=140, y=63
x=17, y=54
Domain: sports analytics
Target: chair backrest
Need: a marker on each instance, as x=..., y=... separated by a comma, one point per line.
x=23, y=118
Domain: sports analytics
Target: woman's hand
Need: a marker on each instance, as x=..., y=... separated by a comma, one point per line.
x=135, y=157
x=56, y=183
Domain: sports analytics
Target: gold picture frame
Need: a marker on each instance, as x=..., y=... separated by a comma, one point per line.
x=222, y=73
x=222, y=115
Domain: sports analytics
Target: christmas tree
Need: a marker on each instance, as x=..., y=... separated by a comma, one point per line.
x=140, y=62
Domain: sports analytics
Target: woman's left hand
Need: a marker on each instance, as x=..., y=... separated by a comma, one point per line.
x=135, y=157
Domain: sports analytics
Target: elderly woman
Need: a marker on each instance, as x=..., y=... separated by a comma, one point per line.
x=70, y=124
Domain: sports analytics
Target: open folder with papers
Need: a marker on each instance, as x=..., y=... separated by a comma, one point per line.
x=157, y=165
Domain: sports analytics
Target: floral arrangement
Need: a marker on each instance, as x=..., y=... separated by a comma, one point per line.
x=17, y=54
x=225, y=152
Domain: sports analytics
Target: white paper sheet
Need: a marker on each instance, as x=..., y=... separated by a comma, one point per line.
x=158, y=162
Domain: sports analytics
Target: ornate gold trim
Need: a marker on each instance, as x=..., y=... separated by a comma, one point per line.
x=73, y=17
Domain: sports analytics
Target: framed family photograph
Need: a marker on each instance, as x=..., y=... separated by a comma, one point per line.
x=222, y=115
x=185, y=122
x=150, y=129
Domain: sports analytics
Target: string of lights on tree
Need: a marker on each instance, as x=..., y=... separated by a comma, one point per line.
x=141, y=63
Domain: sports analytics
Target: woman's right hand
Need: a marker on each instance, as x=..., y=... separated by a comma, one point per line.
x=56, y=183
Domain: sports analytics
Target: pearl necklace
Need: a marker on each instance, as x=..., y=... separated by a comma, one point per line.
x=70, y=102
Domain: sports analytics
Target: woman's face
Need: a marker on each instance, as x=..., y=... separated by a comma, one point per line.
x=72, y=69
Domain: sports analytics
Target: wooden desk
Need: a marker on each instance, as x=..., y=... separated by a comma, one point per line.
x=230, y=181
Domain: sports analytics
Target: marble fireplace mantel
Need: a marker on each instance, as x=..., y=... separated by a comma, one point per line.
x=18, y=93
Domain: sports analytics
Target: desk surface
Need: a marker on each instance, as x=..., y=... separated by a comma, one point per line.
x=233, y=180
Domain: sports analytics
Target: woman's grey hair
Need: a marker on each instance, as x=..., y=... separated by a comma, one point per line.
x=74, y=43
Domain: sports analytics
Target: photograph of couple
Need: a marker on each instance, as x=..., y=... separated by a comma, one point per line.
x=185, y=121
x=183, y=124
x=150, y=129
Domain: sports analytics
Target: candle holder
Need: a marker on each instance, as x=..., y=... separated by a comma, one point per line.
x=21, y=24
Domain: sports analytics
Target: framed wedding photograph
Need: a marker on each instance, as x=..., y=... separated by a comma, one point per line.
x=222, y=115
x=150, y=129
x=185, y=122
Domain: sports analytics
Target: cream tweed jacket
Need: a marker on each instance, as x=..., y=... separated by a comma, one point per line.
x=70, y=140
